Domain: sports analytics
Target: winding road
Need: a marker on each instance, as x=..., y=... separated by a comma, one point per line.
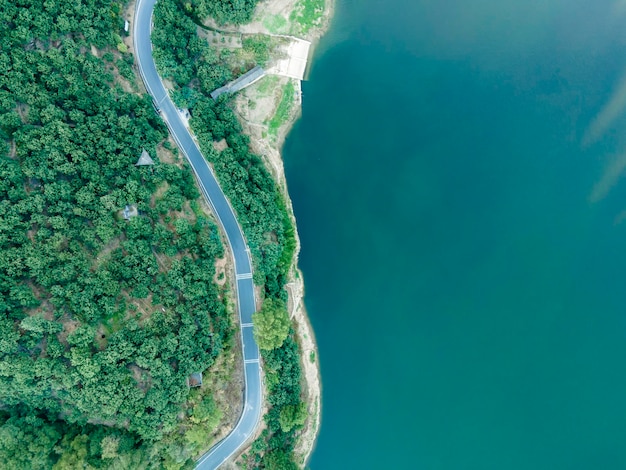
x=241, y=254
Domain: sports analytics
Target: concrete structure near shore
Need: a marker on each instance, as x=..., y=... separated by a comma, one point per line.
x=295, y=61
x=240, y=83
x=293, y=65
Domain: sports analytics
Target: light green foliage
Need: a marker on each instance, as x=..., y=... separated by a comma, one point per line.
x=27, y=442
x=271, y=324
x=307, y=14
x=276, y=24
x=33, y=442
x=260, y=45
x=206, y=412
x=267, y=84
x=76, y=454
x=198, y=435
x=283, y=109
x=110, y=446
x=292, y=416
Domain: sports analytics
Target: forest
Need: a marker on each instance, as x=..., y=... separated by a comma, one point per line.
x=102, y=319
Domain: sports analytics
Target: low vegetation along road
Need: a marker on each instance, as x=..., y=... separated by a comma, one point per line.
x=222, y=209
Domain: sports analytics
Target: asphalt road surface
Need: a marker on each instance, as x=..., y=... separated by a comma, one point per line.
x=241, y=254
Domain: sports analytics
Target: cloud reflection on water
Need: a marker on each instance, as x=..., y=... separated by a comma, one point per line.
x=610, y=112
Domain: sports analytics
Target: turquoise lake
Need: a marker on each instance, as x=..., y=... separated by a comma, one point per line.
x=457, y=180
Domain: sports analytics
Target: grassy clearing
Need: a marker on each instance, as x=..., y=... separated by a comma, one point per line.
x=267, y=84
x=260, y=46
x=276, y=24
x=283, y=110
x=307, y=14
x=251, y=50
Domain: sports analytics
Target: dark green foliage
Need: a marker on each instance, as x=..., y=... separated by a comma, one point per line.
x=101, y=319
x=223, y=11
x=92, y=21
x=278, y=460
x=282, y=368
x=287, y=414
x=180, y=54
x=27, y=442
x=251, y=189
x=124, y=66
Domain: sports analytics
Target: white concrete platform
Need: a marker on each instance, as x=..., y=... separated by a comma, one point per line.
x=294, y=65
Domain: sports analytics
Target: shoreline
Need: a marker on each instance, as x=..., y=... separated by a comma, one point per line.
x=271, y=151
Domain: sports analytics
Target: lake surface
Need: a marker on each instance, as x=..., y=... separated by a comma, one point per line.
x=456, y=177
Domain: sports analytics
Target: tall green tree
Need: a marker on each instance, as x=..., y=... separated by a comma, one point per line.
x=271, y=324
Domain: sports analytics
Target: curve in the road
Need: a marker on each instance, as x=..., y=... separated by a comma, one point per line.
x=211, y=190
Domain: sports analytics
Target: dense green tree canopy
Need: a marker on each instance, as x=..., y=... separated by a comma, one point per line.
x=271, y=324
x=223, y=11
x=292, y=416
x=101, y=319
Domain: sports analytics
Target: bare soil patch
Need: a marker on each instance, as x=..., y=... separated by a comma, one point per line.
x=220, y=145
x=221, y=265
x=167, y=155
x=69, y=326
x=105, y=252
x=255, y=106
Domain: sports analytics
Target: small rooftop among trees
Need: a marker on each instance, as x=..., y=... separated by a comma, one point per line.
x=130, y=211
x=144, y=159
x=195, y=379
